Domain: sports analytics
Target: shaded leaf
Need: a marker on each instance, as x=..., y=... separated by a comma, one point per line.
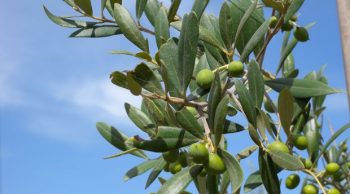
x=84, y=5
x=141, y=168
x=168, y=138
x=231, y=127
x=226, y=26
x=68, y=23
x=173, y=9
x=253, y=181
x=155, y=172
x=133, y=86
x=187, y=50
x=96, y=32
x=268, y=173
x=119, y=79
x=214, y=99
x=277, y=5
x=189, y=123
x=246, y=152
x=256, y=83
x=234, y=170
x=220, y=118
x=246, y=101
x=313, y=136
x=146, y=78
x=141, y=55
x=257, y=37
x=140, y=7
x=285, y=160
x=285, y=109
x=116, y=138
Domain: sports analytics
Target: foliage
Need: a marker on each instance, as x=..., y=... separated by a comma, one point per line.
x=205, y=70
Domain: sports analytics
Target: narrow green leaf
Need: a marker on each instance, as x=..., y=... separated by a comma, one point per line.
x=180, y=181
x=96, y=32
x=234, y=170
x=84, y=5
x=256, y=83
x=246, y=152
x=129, y=28
x=301, y=88
x=214, y=99
x=187, y=50
x=140, y=7
x=169, y=57
x=332, y=138
x=268, y=173
x=225, y=182
x=220, y=118
x=122, y=153
x=70, y=2
x=313, y=135
x=245, y=18
x=140, y=169
x=116, y=138
x=292, y=9
x=173, y=9
x=141, y=55
x=168, y=138
x=246, y=101
x=238, y=9
x=110, y=6
x=257, y=37
x=206, y=36
x=231, y=127
x=140, y=119
x=226, y=25
x=285, y=109
x=253, y=181
x=286, y=161
x=212, y=184
x=155, y=172
x=68, y=23
x=161, y=27
x=189, y=123
x=199, y=7
x=151, y=10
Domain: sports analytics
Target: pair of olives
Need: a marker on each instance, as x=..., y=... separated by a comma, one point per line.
x=175, y=161
x=212, y=162
x=293, y=181
x=300, y=33
x=205, y=77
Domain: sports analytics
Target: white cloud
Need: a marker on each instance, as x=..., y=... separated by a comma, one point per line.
x=96, y=97
x=10, y=94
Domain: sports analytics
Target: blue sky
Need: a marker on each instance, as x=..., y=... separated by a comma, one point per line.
x=54, y=89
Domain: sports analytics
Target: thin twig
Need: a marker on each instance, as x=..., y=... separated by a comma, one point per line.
x=315, y=177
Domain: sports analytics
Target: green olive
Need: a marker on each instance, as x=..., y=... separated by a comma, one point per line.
x=215, y=164
x=171, y=156
x=301, y=34
x=292, y=181
x=333, y=191
x=175, y=167
x=199, y=153
x=278, y=146
x=235, y=69
x=301, y=142
x=273, y=21
x=310, y=189
x=287, y=26
x=332, y=168
x=294, y=18
x=308, y=164
x=204, y=78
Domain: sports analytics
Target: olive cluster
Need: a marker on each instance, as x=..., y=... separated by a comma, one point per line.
x=197, y=154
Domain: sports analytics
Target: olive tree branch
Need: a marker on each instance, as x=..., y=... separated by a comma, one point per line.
x=316, y=178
